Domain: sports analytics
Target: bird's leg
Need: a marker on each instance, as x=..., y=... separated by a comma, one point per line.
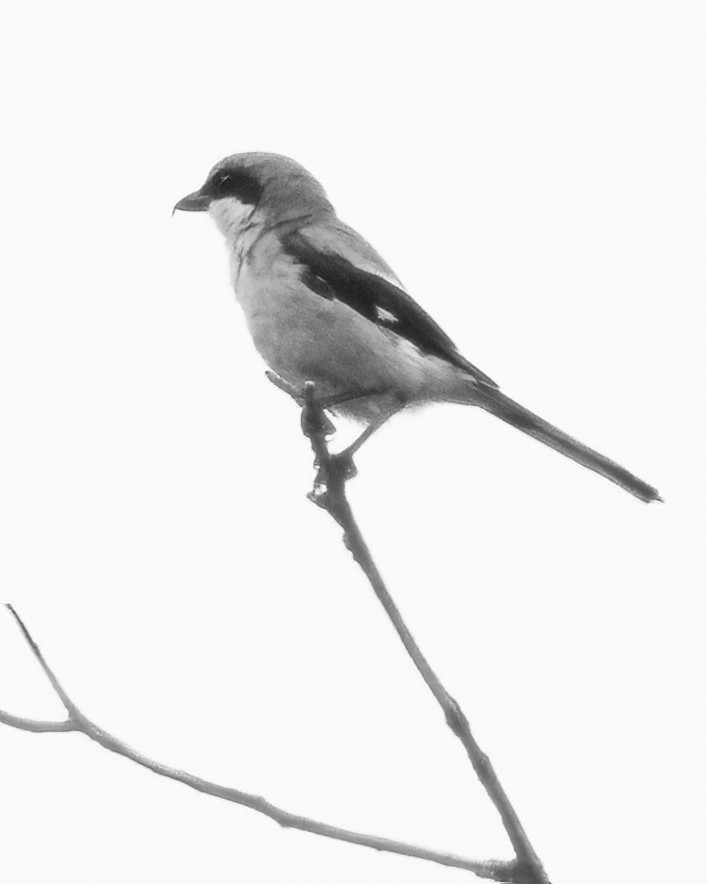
x=315, y=421
x=344, y=458
x=316, y=426
x=312, y=419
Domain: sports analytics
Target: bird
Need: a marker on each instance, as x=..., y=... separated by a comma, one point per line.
x=323, y=307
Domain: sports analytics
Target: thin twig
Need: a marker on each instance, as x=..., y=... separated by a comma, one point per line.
x=330, y=493
x=496, y=870
x=35, y=726
x=70, y=707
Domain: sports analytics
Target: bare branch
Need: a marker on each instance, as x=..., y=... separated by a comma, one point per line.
x=496, y=870
x=35, y=726
x=329, y=493
x=61, y=693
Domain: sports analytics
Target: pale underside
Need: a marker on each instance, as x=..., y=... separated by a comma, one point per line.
x=303, y=336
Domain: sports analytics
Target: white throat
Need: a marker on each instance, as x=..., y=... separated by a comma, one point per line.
x=232, y=217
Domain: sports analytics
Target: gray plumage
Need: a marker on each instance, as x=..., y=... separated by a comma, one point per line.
x=322, y=305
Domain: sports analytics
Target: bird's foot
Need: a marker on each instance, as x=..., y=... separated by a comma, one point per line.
x=313, y=418
x=315, y=422
x=341, y=466
x=333, y=472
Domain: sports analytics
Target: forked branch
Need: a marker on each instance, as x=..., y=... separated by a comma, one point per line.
x=329, y=493
x=77, y=721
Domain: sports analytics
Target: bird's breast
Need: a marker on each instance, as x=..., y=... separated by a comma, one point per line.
x=289, y=323
x=304, y=335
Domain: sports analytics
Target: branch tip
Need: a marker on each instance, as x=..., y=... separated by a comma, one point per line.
x=78, y=722
x=69, y=705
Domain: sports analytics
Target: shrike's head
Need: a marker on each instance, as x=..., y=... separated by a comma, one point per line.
x=256, y=188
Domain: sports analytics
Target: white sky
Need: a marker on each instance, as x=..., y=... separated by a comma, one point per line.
x=535, y=173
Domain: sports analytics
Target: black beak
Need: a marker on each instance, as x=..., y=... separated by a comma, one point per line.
x=194, y=202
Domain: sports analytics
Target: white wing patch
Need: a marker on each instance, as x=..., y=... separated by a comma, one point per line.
x=386, y=316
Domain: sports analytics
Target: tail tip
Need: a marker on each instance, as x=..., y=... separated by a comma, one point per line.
x=651, y=495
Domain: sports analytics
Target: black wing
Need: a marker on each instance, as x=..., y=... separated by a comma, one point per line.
x=332, y=276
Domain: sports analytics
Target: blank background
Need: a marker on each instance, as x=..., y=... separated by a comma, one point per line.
x=535, y=173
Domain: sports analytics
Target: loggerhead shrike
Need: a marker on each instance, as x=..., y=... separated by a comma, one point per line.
x=322, y=305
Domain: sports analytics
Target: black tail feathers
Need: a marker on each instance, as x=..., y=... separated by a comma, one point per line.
x=495, y=402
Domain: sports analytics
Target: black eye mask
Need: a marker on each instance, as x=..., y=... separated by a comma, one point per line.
x=238, y=183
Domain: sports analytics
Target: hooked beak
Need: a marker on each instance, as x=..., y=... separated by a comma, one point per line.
x=194, y=202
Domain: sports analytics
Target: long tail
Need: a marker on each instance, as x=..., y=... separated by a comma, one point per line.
x=495, y=402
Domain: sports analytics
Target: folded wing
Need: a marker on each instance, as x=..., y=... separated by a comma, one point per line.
x=337, y=264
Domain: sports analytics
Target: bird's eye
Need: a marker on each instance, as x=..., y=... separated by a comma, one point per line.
x=220, y=181
x=237, y=183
